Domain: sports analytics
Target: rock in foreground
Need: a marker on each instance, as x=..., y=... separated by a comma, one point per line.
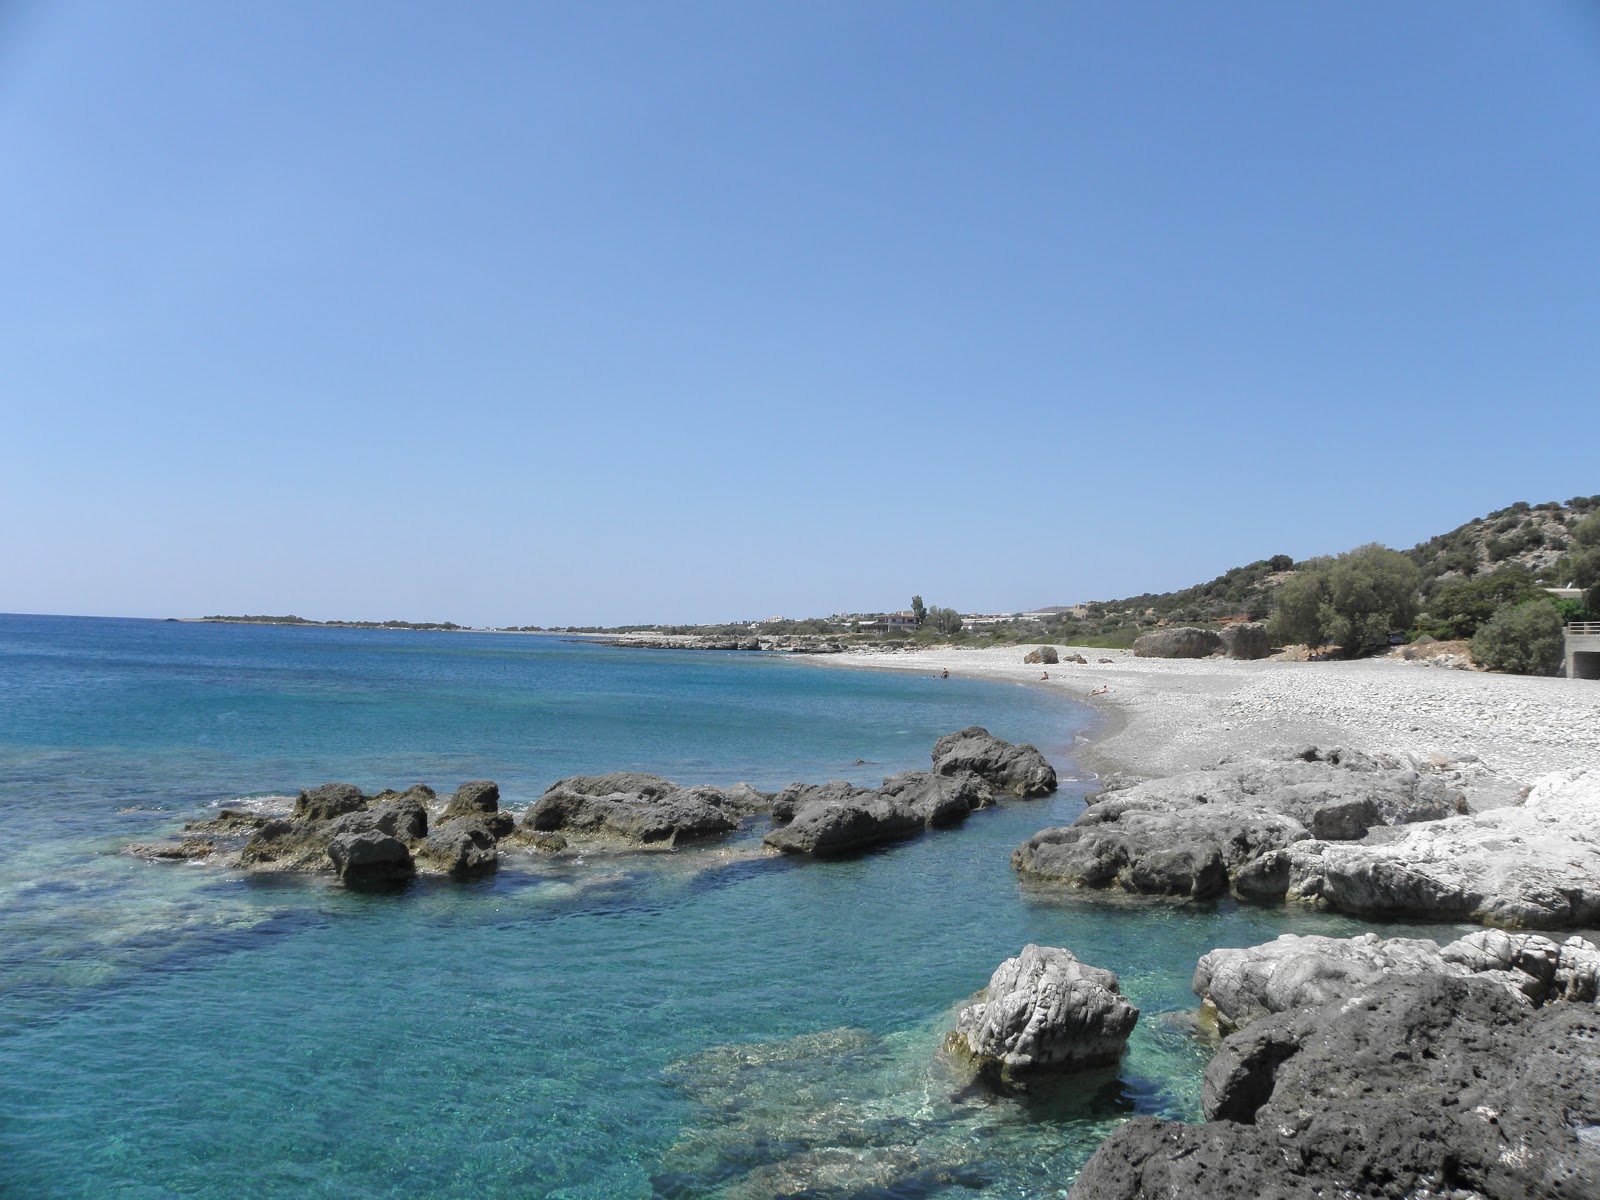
x=1043, y=1011
x=1535, y=865
x=1194, y=834
x=1423, y=1087
x=1242, y=986
x=1015, y=770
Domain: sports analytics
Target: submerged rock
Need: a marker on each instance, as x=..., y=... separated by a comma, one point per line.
x=1423, y=1086
x=1043, y=1011
x=1193, y=835
x=189, y=848
x=1017, y=770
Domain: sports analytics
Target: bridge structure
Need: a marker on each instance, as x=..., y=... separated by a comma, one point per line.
x=1583, y=650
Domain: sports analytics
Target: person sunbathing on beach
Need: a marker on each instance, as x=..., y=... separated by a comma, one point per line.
x=1100, y=691
x=1046, y=675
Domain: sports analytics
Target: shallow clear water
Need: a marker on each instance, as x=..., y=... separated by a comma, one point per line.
x=677, y=1025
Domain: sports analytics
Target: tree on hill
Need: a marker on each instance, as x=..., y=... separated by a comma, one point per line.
x=1583, y=565
x=1355, y=600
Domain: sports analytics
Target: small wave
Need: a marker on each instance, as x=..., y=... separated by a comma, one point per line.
x=270, y=802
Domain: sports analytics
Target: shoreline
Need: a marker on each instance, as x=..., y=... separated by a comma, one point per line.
x=1164, y=716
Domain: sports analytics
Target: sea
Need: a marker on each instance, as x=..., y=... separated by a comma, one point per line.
x=696, y=1023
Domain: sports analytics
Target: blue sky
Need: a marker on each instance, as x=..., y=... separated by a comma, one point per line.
x=601, y=312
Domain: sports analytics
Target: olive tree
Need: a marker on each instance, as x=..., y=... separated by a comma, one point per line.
x=1354, y=600
x=1521, y=639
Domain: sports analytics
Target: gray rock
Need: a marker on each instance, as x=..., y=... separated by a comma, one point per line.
x=1427, y=1086
x=1017, y=770
x=370, y=857
x=840, y=818
x=629, y=808
x=474, y=799
x=1536, y=865
x=1042, y=655
x=1241, y=986
x=460, y=847
x=328, y=801
x=1194, y=834
x=289, y=846
x=797, y=795
x=1043, y=1011
x=1183, y=642
x=1247, y=641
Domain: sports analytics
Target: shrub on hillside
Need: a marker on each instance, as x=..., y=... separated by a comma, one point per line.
x=1354, y=600
x=1521, y=639
x=1460, y=607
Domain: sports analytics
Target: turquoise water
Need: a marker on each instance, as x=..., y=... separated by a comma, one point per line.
x=675, y=1025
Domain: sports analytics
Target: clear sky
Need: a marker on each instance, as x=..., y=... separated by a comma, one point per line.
x=595, y=312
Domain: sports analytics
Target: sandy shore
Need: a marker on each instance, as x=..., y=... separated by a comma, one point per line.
x=1161, y=716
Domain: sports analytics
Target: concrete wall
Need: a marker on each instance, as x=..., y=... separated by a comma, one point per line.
x=1583, y=656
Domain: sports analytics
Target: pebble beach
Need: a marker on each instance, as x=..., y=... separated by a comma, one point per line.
x=1162, y=716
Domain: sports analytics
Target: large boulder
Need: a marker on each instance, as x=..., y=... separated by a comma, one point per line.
x=841, y=818
x=1197, y=834
x=473, y=799
x=1045, y=655
x=1016, y=770
x=370, y=857
x=1183, y=642
x=1043, y=1011
x=460, y=847
x=1534, y=865
x=1241, y=986
x=1421, y=1086
x=1248, y=641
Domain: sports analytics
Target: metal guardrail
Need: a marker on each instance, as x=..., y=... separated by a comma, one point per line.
x=1584, y=628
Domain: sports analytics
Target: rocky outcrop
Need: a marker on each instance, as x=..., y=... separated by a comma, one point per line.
x=1042, y=654
x=1534, y=865
x=1194, y=835
x=1425, y=1086
x=1242, y=986
x=460, y=847
x=634, y=809
x=480, y=799
x=1043, y=1012
x=370, y=857
x=1183, y=642
x=328, y=801
x=1248, y=641
x=840, y=818
x=1016, y=770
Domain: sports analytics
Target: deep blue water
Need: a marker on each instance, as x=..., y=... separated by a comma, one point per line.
x=557, y=1030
